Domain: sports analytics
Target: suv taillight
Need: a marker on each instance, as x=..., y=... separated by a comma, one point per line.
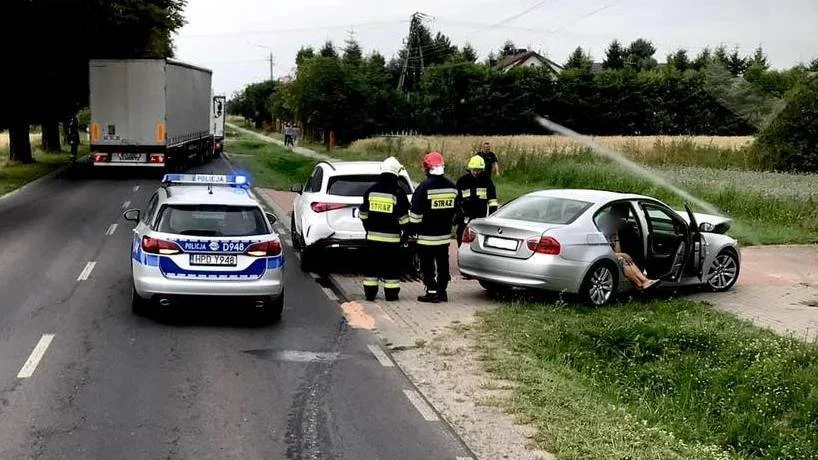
x=264, y=249
x=324, y=207
x=544, y=245
x=157, y=246
x=469, y=235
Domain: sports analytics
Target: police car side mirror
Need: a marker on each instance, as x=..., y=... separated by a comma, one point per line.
x=297, y=188
x=132, y=215
x=272, y=218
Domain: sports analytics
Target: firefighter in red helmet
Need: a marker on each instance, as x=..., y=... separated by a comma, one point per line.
x=432, y=215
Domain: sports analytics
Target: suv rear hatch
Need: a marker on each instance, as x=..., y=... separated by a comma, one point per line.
x=345, y=194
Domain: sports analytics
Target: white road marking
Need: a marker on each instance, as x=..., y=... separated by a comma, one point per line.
x=330, y=294
x=86, y=272
x=315, y=276
x=380, y=356
x=425, y=411
x=135, y=188
x=111, y=229
x=126, y=204
x=464, y=458
x=35, y=357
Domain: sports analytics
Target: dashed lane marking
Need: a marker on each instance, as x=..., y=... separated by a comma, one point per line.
x=126, y=204
x=315, y=276
x=380, y=356
x=425, y=411
x=36, y=355
x=330, y=294
x=86, y=272
x=135, y=188
x=111, y=229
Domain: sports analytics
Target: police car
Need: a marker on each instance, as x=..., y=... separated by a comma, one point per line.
x=205, y=235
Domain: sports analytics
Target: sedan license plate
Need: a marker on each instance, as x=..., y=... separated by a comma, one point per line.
x=213, y=259
x=501, y=243
x=130, y=157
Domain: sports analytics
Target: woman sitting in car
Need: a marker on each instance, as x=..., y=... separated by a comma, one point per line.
x=611, y=224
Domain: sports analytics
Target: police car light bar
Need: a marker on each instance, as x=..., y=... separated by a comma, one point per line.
x=206, y=179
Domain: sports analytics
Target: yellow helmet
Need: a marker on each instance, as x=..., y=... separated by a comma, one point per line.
x=476, y=162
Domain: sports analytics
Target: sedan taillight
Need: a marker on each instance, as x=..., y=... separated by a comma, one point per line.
x=324, y=207
x=469, y=235
x=157, y=246
x=544, y=245
x=264, y=249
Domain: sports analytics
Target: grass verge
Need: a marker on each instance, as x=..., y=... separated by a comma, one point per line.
x=16, y=175
x=660, y=379
x=270, y=165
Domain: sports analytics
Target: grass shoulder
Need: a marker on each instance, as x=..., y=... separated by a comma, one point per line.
x=658, y=379
x=270, y=165
x=15, y=175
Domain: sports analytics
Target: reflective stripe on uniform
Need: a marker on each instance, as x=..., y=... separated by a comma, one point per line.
x=466, y=193
x=492, y=202
x=427, y=240
x=441, y=191
x=404, y=220
x=415, y=218
x=391, y=284
x=371, y=281
x=384, y=196
x=482, y=193
x=383, y=237
x=363, y=215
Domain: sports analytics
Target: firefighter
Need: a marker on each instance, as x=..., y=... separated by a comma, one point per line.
x=434, y=207
x=385, y=214
x=478, y=197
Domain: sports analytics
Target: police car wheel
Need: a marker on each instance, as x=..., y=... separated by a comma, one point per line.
x=139, y=306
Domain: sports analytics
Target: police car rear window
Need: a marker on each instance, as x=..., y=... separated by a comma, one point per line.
x=358, y=185
x=212, y=220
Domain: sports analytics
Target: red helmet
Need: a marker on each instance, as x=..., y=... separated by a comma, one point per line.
x=432, y=159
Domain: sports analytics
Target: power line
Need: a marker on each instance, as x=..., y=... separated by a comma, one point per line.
x=600, y=9
x=533, y=7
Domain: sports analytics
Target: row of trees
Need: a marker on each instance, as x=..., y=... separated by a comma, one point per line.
x=48, y=44
x=435, y=87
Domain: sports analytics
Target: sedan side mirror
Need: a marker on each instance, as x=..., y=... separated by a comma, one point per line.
x=297, y=188
x=272, y=218
x=132, y=215
x=706, y=227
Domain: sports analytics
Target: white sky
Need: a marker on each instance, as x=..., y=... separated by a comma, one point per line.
x=234, y=37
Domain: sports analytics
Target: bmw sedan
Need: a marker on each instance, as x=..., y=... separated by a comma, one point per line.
x=554, y=240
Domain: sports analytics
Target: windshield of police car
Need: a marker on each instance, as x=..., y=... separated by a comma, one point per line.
x=212, y=220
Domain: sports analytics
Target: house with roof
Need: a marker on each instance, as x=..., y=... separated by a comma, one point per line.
x=526, y=58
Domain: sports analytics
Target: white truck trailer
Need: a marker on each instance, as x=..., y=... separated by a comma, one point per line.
x=218, y=119
x=150, y=113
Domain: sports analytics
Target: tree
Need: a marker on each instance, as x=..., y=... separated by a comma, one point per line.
x=614, y=56
x=720, y=56
x=304, y=53
x=679, y=60
x=640, y=55
x=580, y=60
x=441, y=51
x=328, y=50
x=703, y=59
x=813, y=66
x=468, y=53
x=353, y=55
x=790, y=142
x=759, y=59
x=508, y=49
x=736, y=64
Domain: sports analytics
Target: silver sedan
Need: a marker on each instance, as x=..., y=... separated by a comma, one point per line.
x=554, y=240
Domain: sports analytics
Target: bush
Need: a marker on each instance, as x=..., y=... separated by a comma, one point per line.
x=790, y=142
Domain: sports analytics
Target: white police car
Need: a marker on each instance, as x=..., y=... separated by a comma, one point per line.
x=206, y=235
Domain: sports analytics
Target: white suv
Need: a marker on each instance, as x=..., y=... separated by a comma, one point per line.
x=325, y=209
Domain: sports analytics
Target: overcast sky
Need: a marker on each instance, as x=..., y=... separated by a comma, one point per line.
x=235, y=37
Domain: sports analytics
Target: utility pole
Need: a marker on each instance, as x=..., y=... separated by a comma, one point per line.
x=272, y=63
x=413, y=42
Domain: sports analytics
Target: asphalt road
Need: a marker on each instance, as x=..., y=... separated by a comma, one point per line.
x=201, y=383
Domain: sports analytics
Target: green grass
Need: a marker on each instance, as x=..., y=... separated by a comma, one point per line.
x=662, y=379
x=270, y=165
x=15, y=175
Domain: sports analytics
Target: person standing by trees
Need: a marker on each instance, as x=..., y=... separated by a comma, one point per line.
x=73, y=136
x=492, y=164
x=478, y=197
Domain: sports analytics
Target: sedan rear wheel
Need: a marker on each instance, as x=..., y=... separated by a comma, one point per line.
x=724, y=272
x=599, y=285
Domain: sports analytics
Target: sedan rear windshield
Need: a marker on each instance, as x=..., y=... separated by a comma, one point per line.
x=212, y=220
x=358, y=185
x=543, y=209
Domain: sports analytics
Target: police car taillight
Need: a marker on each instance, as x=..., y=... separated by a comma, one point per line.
x=157, y=246
x=264, y=249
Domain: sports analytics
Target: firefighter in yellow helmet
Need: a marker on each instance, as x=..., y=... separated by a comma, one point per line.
x=478, y=197
x=385, y=214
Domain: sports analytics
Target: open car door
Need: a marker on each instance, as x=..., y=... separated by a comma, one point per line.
x=669, y=242
x=697, y=253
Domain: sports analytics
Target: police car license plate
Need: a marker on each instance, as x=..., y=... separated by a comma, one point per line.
x=131, y=157
x=213, y=259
